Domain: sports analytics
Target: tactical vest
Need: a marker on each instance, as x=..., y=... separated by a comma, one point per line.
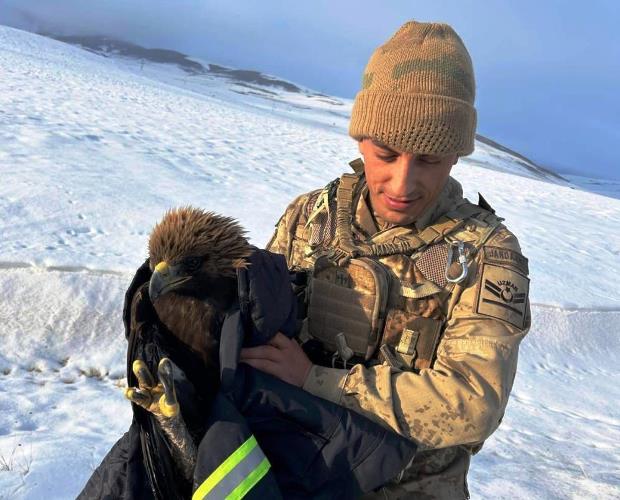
x=385, y=299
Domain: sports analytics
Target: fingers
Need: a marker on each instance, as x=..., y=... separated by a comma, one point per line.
x=273, y=350
x=280, y=341
x=142, y=373
x=266, y=352
x=267, y=358
x=282, y=357
x=168, y=403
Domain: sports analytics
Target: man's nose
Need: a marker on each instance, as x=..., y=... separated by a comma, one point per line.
x=403, y=179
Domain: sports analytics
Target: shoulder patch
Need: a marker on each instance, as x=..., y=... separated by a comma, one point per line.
x=503, y=294
x=506, y=256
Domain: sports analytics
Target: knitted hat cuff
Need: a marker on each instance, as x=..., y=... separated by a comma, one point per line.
x=415, y=123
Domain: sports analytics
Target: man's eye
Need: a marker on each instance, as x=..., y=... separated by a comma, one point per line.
x=430, y=161
x=387, y=158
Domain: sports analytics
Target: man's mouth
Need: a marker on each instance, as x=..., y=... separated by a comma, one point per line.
x=399, y=204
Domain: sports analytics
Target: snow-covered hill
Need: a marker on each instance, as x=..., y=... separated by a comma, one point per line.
x=94, y=149
x=192, y=71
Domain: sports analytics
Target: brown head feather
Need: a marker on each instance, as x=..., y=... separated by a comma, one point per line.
x=192, y=232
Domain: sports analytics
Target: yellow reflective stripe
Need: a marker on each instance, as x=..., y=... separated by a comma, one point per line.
x=249, y=482
x=224, y=468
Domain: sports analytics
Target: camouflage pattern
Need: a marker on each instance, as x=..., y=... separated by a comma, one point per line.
x=451, y=407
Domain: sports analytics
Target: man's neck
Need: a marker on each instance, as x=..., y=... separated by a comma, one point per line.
x=366, y=218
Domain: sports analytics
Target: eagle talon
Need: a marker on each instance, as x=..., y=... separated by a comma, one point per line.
x=157, y=398
x=168, y=402
x=161, y=401
x=138, y=397
x=143, y=374
x=168, y=410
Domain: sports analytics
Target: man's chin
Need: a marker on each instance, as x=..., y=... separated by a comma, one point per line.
x=398, y=218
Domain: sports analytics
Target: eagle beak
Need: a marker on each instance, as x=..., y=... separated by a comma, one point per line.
x=165, y=278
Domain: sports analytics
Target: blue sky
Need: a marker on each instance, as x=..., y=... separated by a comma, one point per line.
x=547, y=71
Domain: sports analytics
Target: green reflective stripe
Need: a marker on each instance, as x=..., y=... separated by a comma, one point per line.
x=237, y=475
x=224, y=468
x=250, y=481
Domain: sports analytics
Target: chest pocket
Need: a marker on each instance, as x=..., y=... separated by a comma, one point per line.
x=414, y=324
x=347, y=305
x=410, y=341
x=350, y=313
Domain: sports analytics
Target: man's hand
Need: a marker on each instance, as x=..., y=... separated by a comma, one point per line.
x=282, y=357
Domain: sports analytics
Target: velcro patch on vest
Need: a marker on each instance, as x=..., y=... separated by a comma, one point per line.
x=503, y=294
x=506, y=256
x=432, y=263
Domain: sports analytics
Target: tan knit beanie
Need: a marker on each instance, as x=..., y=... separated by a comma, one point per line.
x=418, y=93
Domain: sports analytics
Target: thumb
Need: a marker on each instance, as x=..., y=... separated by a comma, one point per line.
x=280, y=341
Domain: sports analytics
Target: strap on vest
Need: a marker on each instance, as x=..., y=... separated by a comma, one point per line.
x=418, y=290
x=407, y=242
x=357, y=165
x=346, y=249
x=487, y=233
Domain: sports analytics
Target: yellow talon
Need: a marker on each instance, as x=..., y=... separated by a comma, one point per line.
x=129, y=393
x=137, y=365
x=142, y=373
x=166, y=409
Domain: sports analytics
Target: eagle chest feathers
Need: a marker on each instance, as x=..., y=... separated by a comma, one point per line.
x=191, y=321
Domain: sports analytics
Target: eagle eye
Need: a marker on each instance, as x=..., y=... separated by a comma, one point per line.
x=192, y=263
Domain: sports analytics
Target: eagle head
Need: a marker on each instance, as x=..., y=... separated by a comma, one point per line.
x=195, y=254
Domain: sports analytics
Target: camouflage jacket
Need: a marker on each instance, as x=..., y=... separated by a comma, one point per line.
x=451, y=406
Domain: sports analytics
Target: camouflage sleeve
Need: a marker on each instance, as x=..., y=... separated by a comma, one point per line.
x=462, y=398
x=286, y=230
x=282, y=238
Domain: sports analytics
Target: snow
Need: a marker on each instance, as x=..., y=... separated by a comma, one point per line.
x=93, y=150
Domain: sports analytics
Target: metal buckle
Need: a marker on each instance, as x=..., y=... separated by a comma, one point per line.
x=343, y=351
x=408, y=342
x=462, y=260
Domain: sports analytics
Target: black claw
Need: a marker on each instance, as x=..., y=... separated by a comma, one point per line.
x=164, y=371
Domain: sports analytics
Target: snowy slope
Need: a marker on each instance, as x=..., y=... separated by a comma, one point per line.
x=93, y=150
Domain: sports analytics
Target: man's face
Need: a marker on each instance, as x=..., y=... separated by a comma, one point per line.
x=403, y=185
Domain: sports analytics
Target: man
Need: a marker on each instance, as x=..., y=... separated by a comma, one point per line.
x=417, y=298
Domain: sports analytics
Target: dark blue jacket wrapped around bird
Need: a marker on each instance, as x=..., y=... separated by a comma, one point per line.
x=258, y=437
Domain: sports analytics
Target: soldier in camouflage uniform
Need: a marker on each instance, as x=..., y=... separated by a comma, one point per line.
x=417, y=298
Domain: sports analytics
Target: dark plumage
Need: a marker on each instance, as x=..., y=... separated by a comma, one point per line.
x=194, y=256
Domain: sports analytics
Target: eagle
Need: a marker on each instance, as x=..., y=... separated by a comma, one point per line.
x=194, y=256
